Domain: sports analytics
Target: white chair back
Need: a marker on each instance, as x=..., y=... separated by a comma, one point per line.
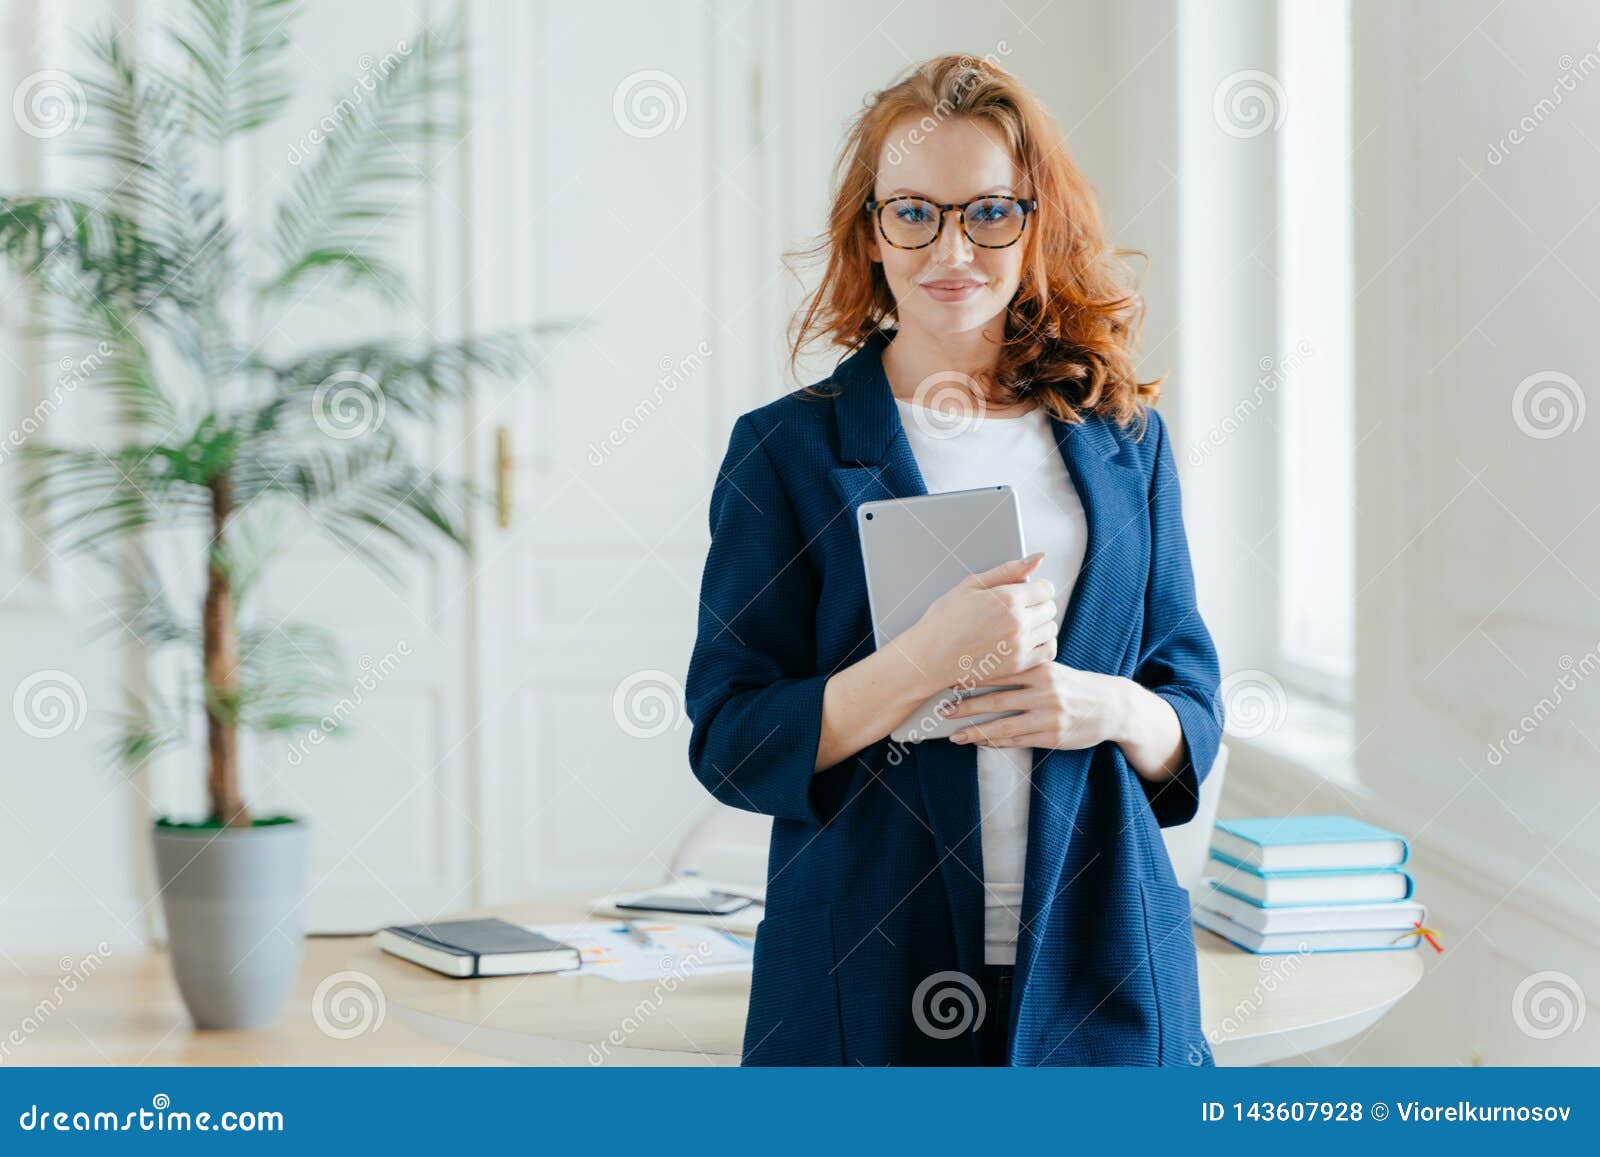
x=1189, y=845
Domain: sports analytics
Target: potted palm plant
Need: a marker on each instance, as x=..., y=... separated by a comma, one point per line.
x=225, y=448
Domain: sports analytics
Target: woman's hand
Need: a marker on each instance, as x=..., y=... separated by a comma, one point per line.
x=989, y=625
x=1065, y=708
x=1061, y=707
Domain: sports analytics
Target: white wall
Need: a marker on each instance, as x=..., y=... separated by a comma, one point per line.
x=72, y=830
x=1478, y=613
x=1474, y=277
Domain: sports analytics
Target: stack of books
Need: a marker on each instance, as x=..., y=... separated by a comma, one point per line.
x=1309, y=884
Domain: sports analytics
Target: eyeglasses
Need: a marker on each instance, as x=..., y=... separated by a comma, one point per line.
x=988, y=222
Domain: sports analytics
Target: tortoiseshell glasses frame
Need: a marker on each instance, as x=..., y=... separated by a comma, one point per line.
x=1023, y=209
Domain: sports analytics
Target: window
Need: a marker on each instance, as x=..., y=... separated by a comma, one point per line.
x=1316, y=435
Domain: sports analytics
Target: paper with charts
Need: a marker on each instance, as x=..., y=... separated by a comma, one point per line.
x=675, y=950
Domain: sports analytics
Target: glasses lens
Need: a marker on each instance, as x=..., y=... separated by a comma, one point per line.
x=994, y=221
x=909, y=222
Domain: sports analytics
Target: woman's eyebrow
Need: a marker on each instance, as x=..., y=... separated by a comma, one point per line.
x=992, y=190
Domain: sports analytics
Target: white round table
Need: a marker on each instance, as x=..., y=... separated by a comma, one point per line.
x=1256, y=1009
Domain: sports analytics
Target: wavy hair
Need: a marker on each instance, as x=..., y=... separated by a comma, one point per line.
x=1072, y=327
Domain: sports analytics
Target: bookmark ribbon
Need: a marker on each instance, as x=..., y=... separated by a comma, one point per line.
x=1422, y=933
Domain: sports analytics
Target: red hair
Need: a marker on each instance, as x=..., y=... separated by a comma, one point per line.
x=1071, y=329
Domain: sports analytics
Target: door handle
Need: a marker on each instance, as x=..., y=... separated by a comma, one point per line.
x=505, y=465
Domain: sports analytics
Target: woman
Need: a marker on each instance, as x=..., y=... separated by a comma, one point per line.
x=1002, y=896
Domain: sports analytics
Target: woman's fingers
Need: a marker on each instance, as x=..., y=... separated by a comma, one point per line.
x=1042, y=642
x=1031, y=594
x=999, y=731
x=1007, y=572
x=1034, y=624
x=1038, y=614
x=1038, y=646
x=990, y=702
x=1027, y=739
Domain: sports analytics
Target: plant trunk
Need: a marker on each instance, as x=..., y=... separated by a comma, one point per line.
x=220, y=640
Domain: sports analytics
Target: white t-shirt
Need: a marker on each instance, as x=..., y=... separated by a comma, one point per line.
x=960, y=452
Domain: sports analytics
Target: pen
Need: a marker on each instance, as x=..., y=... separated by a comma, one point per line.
x=635, y=933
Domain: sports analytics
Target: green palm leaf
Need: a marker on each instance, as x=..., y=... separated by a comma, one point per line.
x=90, y=497
x=226, y=452
x=368, y=497
x=79, y=251
x=332, y=222
x=411, y=378
x=141, y=126
x=289, y=676
x=148, y=726
x=236, y=49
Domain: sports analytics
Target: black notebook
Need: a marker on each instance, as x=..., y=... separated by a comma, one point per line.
x=478, y=948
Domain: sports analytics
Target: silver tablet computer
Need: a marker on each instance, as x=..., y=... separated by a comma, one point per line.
x=916, y=549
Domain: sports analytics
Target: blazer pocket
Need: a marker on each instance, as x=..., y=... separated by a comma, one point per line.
x=794, y=995
x=1174, y=971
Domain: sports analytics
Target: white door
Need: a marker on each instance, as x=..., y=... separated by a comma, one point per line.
x=520, y=724
x=389, y=789
x=633, y=201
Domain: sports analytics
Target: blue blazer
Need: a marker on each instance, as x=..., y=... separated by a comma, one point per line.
x=875, y=881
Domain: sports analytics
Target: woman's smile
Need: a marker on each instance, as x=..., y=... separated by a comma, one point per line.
x=953, y=288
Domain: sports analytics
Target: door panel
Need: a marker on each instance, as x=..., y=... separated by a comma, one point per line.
x=633, y=195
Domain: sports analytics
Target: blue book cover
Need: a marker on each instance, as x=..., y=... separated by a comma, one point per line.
x=1294, y=943
x=1293, y=873
x=1237, y=881
x=1297, y=838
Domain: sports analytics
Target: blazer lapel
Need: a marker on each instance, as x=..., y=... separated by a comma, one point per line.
x=1097, y=627
x=1096, y=631
x=870, y=433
